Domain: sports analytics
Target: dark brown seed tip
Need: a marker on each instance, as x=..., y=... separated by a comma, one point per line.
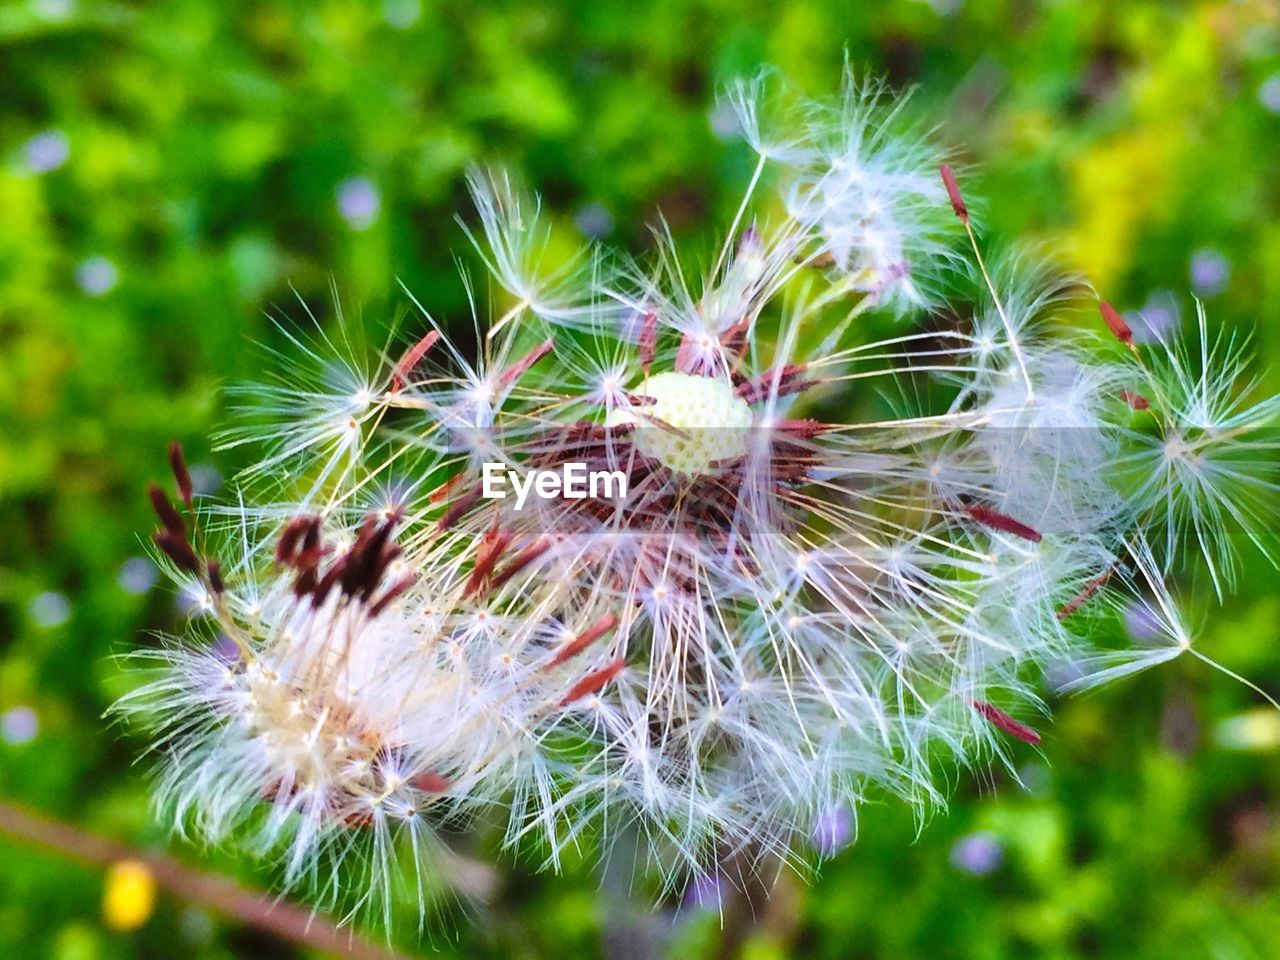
x=953, y=193
x=1004, y=523
x=583, y=640
x=180, y=473
x=215, y=576
x=391, y=593
x=166, y=511
x=178, y=550
x=1135, y=400
x=593, y=682
x=1115, y=323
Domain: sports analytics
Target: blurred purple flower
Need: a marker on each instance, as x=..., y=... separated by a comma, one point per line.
x=19, y=725
x=401, y=14
x=705, y=892
x=49, y=609
x=224, y=648
x=1061, y=674
x=1141, y=622
x=1159, y=317
x=724, y=121
x=359, y=202
x=205, y=479
x=1210, y=271
x=55, y=10
x=833, y=830
x=137, y=575
x=978, y=854
x=97, y=276
x=46, y=151
x=594, y=220
x=1269, y=93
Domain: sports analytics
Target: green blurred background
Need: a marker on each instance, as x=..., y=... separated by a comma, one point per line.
x=172, y=172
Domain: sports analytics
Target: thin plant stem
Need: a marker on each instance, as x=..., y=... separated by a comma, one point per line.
x=281, y=918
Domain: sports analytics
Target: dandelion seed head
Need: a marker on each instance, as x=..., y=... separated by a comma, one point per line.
x=820, y=579
x=711, y=419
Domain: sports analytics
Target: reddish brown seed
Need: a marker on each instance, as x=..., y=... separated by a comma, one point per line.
x=328, y=581
x=306, y=556
x=443, y=491
x=287, y=545
x=521, y=366
x=178, y=550
x=1004, y=722
x=999, y=521
x=306, y=583
x=648, y=340
x=1115, y=323
x=802, y=429
x=412, y=357
x=788, y=381
x=430, y=782
x=392, y=592
x=488, y=553
x=214, y=569
x=459, y=507
x=520, y=561
x=390, y=553
x=953, y=193
x=166, y=511
x=1081, y=598
x=734, y=340
x=180, y=473
x=593, y=682
x=369, y=556
x=1135, y=400
x=583, y=640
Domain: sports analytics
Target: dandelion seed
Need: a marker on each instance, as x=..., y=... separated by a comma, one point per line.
x=1003, y=721
x=1115, y=323
x=953, y=194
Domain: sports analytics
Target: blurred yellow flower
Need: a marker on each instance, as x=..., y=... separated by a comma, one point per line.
x=128, y=896
x=1117, y=187
x=1253, y=730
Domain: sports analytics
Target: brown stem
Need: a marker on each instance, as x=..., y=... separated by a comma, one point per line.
x=220, y=894
x=757, y=904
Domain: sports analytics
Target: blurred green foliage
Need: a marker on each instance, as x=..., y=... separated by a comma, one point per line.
x=173, y=172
